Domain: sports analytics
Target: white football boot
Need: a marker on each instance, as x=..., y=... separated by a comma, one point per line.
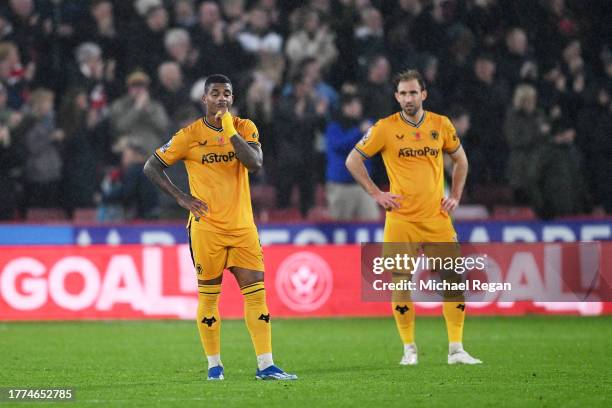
x=410, y=355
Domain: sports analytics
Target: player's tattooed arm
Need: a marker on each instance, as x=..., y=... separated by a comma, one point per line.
x=249, y=154
x=154, y=170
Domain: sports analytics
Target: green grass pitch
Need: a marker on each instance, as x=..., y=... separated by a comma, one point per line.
x=528, y=361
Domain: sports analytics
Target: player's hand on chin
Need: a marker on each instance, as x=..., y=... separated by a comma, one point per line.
x=221, y=112
x=387, y=200
x=197, y=207
x=449, y=204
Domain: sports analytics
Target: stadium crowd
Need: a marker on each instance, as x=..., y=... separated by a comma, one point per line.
x=88, y=89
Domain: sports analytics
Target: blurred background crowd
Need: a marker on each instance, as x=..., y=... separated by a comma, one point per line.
x=88, y=89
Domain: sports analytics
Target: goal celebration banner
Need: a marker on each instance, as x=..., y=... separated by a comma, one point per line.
x=141, y=282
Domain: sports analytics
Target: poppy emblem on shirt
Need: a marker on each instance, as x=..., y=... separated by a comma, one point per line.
x=417, y=135
x=220, y=139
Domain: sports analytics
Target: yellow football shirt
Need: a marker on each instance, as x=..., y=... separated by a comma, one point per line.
x=412, y=153
x=216, y=176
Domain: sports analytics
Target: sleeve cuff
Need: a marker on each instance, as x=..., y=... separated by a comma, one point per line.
x=455, y=150
x=160, y=160
x=362, y=153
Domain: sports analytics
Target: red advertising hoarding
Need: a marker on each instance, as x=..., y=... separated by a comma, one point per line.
x=141, y=282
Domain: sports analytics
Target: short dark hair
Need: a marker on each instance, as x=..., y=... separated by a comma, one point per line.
x=215, y=79
x=409, y=75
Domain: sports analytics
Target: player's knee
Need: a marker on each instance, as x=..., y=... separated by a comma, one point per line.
x=246, y=277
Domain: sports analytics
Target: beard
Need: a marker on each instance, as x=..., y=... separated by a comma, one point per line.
x=411, y=110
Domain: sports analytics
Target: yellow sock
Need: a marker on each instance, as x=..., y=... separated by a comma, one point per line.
x=257, y=317
x=209, y=321
x=403, y=312
x=454, y=315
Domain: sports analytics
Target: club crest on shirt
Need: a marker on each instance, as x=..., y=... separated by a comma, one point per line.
x=434, y=135
x=166, y=146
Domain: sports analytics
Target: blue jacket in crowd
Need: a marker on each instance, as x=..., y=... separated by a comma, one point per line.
x=341, y=136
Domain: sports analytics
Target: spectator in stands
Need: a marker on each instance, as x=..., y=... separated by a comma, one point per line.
x=219, y=47
x=486, y=98
x=41, y=141
x=594, y=128
x=429, y=29
x=456, y=64
x=101, y=28
x=553, y=91
x=436, y=99
x=26, y=23
x=311, y=71
x=311, y=38
x=556, y=184
x=179, y=49
x=236, y=15
x=132, y=189
x=378, y=101
x=369, y=35
x=11, y=159
x=80, y=124
x=94, y=75
x=259, y=101
x=555, y=27
x=347, y=200
x=277, y=19
x=517, y=64
x=12, y=74
x=146, y=48
x=10, y=163
x=258, y=38
x=485, y=18
x=345, y=68
x=377, y=89
x=57, y=20
x=525, y=129
x=171, y=92
x=184, y=14
x=398, y=24
x=577, y=74
x=9, y=118
x=299, y=116
x=139, y=116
